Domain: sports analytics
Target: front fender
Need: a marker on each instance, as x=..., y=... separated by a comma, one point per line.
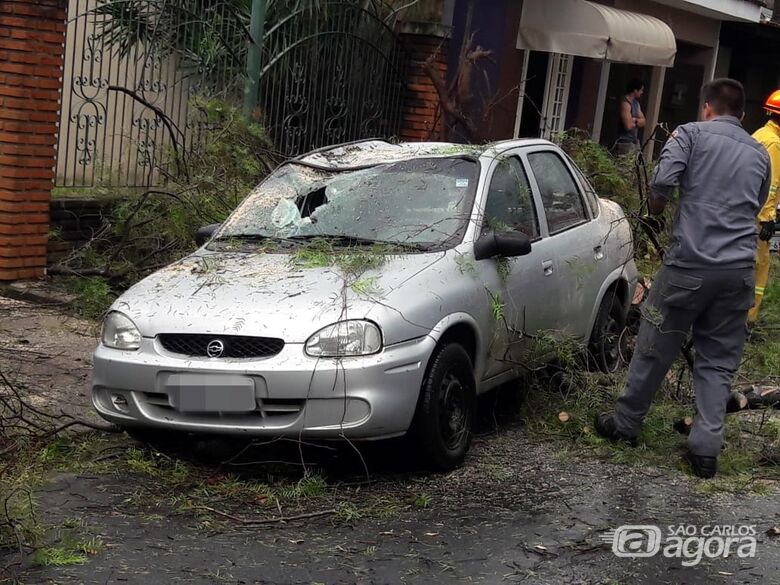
x=461, y=318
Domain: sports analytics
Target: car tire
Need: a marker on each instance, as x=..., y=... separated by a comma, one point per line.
x=443, y=422
x=607, y=342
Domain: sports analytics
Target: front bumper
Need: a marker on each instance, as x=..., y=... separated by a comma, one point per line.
x=362, y=397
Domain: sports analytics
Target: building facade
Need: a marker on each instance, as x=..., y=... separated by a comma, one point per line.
x=565, y=63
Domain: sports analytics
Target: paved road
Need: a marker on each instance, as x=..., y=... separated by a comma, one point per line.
x=517, y=512
x=542, y=524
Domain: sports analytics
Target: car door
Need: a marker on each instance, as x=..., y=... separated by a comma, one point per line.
x=521, y=286
x=576, y=249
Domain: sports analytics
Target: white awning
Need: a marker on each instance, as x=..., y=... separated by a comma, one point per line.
x=587, y=29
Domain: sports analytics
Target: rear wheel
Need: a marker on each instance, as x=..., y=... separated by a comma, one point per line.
x=607, y=343
x=443, y=422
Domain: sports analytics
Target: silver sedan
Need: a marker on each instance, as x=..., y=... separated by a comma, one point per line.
x=371, y=290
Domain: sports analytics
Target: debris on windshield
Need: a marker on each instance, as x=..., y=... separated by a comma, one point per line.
x=421, y=203
x=287, y=215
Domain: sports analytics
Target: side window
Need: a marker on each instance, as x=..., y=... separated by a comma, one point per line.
x=510, y=204
x=562, y=202
x=590, y=192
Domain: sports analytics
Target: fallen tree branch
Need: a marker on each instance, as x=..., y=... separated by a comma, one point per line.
x=169, y=125
x=282, y=519
x=22, y=423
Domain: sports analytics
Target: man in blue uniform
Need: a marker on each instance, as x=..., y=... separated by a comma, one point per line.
x=718, y=176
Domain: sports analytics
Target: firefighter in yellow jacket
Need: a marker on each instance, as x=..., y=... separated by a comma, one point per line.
x=769, y=136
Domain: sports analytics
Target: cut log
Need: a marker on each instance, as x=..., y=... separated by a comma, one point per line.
x=737, y=401
x=684, y=425
x=564, y=416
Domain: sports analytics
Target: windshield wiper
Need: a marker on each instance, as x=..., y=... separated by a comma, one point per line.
x=252, y=238
x=359, y=241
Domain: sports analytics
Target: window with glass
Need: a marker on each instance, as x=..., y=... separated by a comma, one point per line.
x=561, y=198
x=510, y=203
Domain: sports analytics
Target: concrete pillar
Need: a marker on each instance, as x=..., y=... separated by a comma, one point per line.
x=32, y=35
x=422, y=119
x=601, y=101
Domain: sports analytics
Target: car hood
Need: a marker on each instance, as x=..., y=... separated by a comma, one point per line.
x=262, y=295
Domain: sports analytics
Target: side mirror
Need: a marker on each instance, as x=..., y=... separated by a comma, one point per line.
x=505, y=244
x=205, y=233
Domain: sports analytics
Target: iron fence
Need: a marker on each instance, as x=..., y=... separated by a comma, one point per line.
x=331, y=71
x=331, y=77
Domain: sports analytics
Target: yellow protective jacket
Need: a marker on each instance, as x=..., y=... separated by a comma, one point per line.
x=769, y=136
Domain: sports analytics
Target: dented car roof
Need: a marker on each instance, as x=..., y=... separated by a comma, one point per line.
x=375, y=152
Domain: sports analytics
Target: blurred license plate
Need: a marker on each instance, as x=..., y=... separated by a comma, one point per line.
x=213, y=393
x=774, y=244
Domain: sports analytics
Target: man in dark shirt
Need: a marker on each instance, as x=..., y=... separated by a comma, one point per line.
x=631, y=117
x=722, y=176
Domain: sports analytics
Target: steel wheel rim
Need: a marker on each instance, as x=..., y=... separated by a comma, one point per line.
x=453, y=410
x=609, y=344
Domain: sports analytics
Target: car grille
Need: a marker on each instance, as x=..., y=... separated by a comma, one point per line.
x=235, y=346
x=267, y=408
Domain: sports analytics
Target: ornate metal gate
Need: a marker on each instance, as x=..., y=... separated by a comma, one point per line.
x=333, y=76
x=332, y=71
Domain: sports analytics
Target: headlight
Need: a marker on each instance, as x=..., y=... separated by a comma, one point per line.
x=119, y=332
x=345, y=339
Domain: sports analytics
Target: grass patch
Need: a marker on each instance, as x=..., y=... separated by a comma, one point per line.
x=311, y=486
x=93, y=295
x=422, y=500
x=583, y=395
x=58, y=556
x=659, y=444
x=741, y=483
x=347, y=512
x=69, y=549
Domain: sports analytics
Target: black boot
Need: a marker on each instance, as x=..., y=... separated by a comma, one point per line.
x=606, y=428
x=702, y=466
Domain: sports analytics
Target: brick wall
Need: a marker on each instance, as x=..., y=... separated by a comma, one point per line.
x=422, y=119
x=31, y=48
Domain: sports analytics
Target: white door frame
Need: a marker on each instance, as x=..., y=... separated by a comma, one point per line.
x=521, y=92
x=601, y=101
x=556, y=94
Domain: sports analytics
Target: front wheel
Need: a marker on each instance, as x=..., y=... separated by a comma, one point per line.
x=607, y=343
x=442, y=424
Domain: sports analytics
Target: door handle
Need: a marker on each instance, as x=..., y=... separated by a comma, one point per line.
x=548, y=268
x=598, y=252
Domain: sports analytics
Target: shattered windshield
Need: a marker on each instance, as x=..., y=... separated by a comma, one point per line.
x=424, y=202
